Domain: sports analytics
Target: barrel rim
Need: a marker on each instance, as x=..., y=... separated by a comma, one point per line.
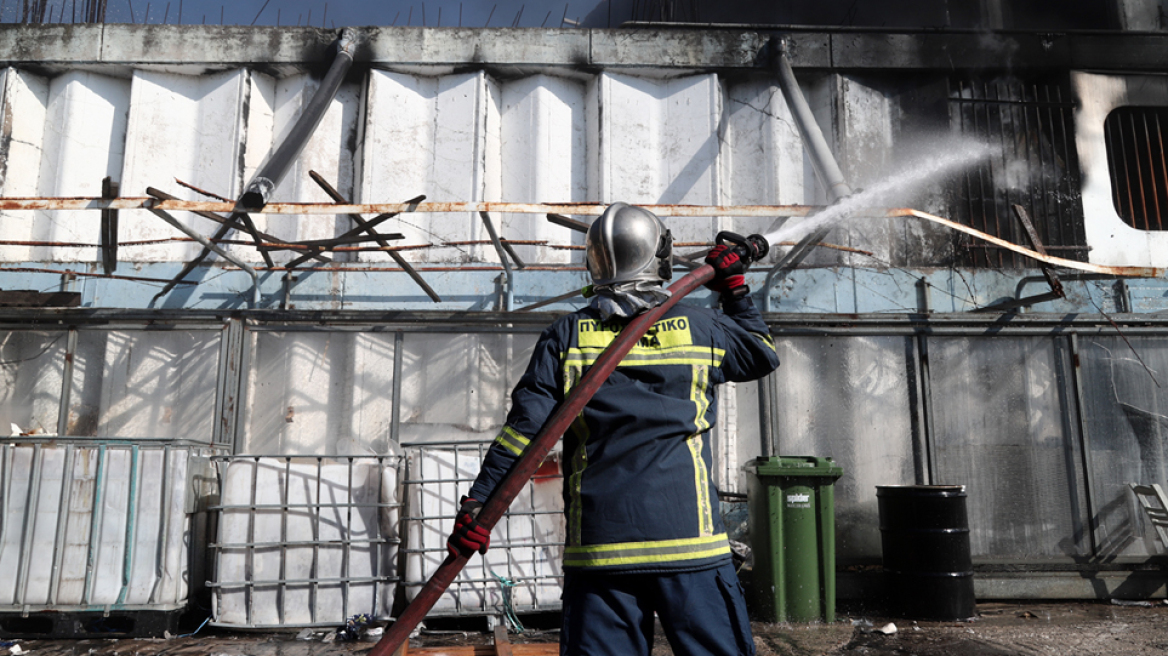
x=922, y=490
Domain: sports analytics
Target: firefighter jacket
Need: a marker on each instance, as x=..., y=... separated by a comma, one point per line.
x=638, y=490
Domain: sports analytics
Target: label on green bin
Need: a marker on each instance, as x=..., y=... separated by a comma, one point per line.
x=798, y=500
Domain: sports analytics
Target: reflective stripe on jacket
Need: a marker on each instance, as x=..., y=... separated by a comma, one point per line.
x=638, y=490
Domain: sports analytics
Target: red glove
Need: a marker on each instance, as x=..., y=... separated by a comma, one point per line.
x=728, y=269
x=468, y=535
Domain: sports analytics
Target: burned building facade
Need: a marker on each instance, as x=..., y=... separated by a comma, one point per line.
x=987, y=311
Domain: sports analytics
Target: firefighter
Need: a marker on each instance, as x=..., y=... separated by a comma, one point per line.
x=644, y=535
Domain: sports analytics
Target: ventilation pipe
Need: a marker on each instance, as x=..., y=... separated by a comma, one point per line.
x=259, y=190
x=822, y=160
x=821, y=157
x=257, y=193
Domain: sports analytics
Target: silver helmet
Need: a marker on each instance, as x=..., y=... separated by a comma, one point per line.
x=628, y=244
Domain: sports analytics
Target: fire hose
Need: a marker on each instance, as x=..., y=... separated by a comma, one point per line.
x=750, y=249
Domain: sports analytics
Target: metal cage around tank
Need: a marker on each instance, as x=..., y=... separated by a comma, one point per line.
x=305, y=540
x=100, y=525
x=522, y=570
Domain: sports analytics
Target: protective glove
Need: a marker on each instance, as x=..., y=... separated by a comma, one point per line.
x=468, y=535
x=728, y=278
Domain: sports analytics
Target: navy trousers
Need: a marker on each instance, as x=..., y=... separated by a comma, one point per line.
x=703, y=613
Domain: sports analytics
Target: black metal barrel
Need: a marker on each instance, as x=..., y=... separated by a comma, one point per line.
x=924, y=531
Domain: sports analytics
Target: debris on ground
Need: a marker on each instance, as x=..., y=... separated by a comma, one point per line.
x=1133, y=602
x=1005, y=629
x=353, y=627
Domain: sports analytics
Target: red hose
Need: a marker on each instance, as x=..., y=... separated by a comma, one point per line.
x=533, y=457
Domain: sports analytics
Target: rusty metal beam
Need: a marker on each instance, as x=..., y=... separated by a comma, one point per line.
x=211, y=247
x=586, y=209
x=508, y=275
x=365, y=226
x=377, y=220
x=561, y=220
x=590, y=209
x=227, y=223
x=89, y=275
x=250, y=228
x=506, y=243
x=200, y=191
x=333, y=243
x=1052, y=279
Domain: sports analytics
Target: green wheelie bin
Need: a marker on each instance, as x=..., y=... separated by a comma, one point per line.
x=791, y=504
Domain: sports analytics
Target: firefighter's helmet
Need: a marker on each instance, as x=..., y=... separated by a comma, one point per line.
x=629, y=244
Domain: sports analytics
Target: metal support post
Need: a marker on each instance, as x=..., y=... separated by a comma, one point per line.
x=508, y=279
x=1084, y=444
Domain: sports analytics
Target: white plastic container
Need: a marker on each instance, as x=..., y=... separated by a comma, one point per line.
x=94, y=526
x=527, y=545
x=306, y=541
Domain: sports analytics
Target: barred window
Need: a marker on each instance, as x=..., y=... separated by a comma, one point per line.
x=1035, y=165
x=1135, y=157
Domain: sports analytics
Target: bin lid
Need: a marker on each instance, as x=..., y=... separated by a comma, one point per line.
x=815, y=466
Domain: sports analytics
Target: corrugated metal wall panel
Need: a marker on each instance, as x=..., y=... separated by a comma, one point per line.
x=433, y=136
x=542, y=158
x=186, y=127
x=26, y=99
x=763, y=153
x=864, y=150
x=78, y=154
x=694, y=139
x=659, y=143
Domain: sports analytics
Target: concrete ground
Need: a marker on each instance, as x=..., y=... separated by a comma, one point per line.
x=1016, y=628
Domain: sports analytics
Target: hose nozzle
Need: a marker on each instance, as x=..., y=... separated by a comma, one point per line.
x=750, y=249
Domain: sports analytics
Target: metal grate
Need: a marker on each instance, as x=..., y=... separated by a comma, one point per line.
x=1135, y=158
x=1035, y=165
x=306, y=541
x=96, y=525
x=522, y=570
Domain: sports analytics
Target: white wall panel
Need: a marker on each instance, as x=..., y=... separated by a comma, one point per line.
x=438, y=137
x=130, y=384
x=762, y=163
x=260, y=117
x=327, y=393
x=186, y=127
x=30, y=380
x=456, y=388
x=659, y=143
x=330, y=152
x=1112, y=241
x=84, y=141
x=864, y=154
x=25, y=101
x=542, y=160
